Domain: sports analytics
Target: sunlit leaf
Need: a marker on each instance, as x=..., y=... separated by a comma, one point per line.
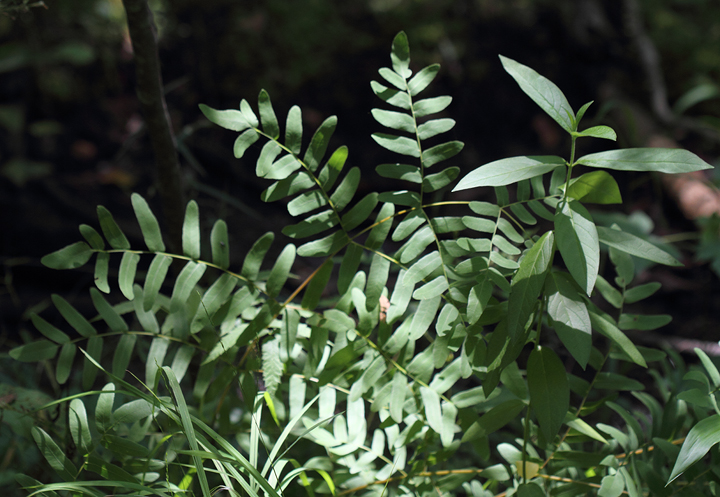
x=78, y=424
x=228, y=119
x=191, y=231
x=244, y=141
x=542, y=91
x=404, y=172
x=441, y=152
x=272, y=366
x=570, y=316
x=398, y=144
x=54, y=455
x=422, y=79
x=185, y=283
x=596, y=187
x=702, y=437
x=604, y=326
x=107, y=312
x=126, y=274
x=345, y=191
x=65, y=362
x=400, y=55
x=255, y=256
x=605, y=132
x=508, y=171
x=400, y=121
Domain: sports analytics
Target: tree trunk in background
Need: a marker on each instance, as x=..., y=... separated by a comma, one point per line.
x=152, y=101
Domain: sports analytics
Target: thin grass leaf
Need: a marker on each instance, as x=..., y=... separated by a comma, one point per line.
x=70, y=257
x=73, y=317
x=101, y=272
x=126, y=274
x=148, y=224
x=187, y=424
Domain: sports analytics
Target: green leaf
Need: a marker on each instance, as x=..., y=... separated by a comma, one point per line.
x=346, y=189
x=359, y=212
x=397, y=396
x=614, y=381
x=493, y=420
x=70, y=257
x=400, y=121
x=94, y=350
x=315, y=288
x=92, y=237
x=549, y=390
x=431, y=289
x=611, y=486
x=319, y=143
x=530, y=490
x=280, y=272
x=431, y=403
x=392, y=77
x=508, y=171
x=54, y=455
x=229, y=119
x=244, y=141
x=597, y=187
x=570, y=316
x=294, y=130
x=577, y=240
x=428, y=106
x=377, y=277
x=248, y=113
x=272, y=366
x=422, y=268
x=133, y=411
x=282, y=168
x=604, y=326
x=126, y=274
x=291, y=185
x=185, y=284
x=39, y=350
x=123, y=354
x=434, y=127
x=423, y=317
x=154, y=279
x=103, y=408
x=102, y=265
x=416, y=245
x=73, y=317
x=403, y=197
x=349, y=266
x=478, y=299
x=662, y=160
x=605, y=132
x=155, y=359
x=306, y=202
x=634, y=245
x=324, y=247
x=254, y=258
x=191, y=231
x=113, y=234
x=709, y=366
x=181, y=361
x=79, y=428
x=644, y=323
x=398, y=144
x=338, y=158
x=404, y=172
x=422, y=79
x=543, y=92
x=267, y=116
x=220, y=244
x=312, y=225
x=641, y=292
x=148, y=224
x=441, y=152
x=528, y=282
x=107, y=312
x=581, y=113
x=702, y=437
x=400, y=55
x=214, y=298
x=49, y=330
x=390, y=95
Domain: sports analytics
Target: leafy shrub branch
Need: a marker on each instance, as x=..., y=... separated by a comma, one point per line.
x=460, y=354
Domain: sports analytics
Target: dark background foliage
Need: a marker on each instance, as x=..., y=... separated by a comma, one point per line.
x=72, y=135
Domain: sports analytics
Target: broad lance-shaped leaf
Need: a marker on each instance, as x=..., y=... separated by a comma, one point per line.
x=422, y=79
x=549, y=390
x=543, y=92
x=507, y=171
x=319, y=143
x=267, y=116
x=400, y=121
x=398, y=144
x=577, y=240
x=272, y=366
x=633, y=245
x=54, y=455
x=570, y=316
x=294, y=130
x=662, y=160
x=400, y=55
x=605, y=132
x=606, y=327
x=698, y=442
x=527, y=284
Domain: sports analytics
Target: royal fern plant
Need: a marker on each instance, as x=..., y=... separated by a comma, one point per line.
x=439, y=347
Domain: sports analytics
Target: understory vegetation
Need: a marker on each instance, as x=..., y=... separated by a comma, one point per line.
x=438, y=347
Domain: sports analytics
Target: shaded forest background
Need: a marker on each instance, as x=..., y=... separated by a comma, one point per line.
x=72, y=135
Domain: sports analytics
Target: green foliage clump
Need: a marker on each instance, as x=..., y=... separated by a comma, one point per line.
x=427, y=354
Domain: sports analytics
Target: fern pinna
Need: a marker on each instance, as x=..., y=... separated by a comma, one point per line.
x=412, y=379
